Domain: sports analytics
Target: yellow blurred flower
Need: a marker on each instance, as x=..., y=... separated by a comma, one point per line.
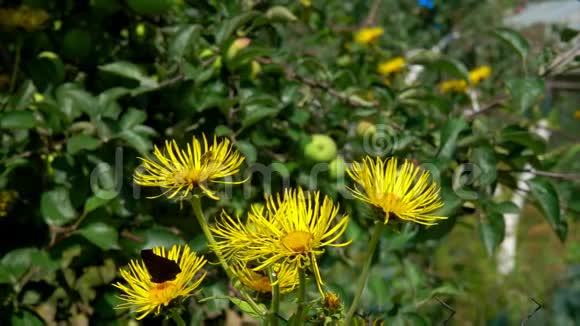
x=391, y=66
x=402, y=192
x=368, y=35
x=478, y=74
x=460, y=86
x=27, y=18
x=454, y=85
x=143, y=296
x=577, y=115
x=306, y=3
x=287, y=277
x=293, y=230
x=181, y=171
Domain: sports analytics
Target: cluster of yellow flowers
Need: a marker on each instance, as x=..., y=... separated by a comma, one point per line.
x=279, y=242
x=460, y=86
x=29, y=19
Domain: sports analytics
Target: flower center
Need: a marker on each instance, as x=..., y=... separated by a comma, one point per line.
x=163, y=293
x=298, y=241
x=189, y=177
x=391, y=203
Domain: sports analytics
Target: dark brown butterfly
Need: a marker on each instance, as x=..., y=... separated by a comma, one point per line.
x=160, y=268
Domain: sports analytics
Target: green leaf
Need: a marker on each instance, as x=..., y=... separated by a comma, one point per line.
x=248, y=150
x=245, y=307
x=449, y=135
x=131, y=71
x=132, y=118
x=17, y=120
x=505, y=207
x=231, y=25
x=545, y=194
x=491, y=231
x=257, y=108
x=183, y=41
x=280, y=14
x=74, y=100
x=102, y=235
x=93, y=203
x=16, y=263
x=56, y=207
x=484, y=158
x=23, y=96
x=523, y=137
x=24, y=317
x=81, y=142
x=514, y=40
x=452, y=66
x=141, y=143
x=525, y=92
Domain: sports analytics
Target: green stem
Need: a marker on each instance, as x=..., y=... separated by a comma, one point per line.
x=275, y=305
x=196, y=203
x=177, y=318
x=301, y=297
x=362, y=281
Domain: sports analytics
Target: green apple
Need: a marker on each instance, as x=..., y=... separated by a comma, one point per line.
x=321, y=148
x=337, y=167
x=364, y=128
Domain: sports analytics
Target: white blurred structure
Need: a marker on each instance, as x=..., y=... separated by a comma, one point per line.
x=563, y=12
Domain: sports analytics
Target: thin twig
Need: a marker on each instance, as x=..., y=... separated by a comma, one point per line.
x=372, y=16
x=448, y=307
x=530, y=315
x=555, y=175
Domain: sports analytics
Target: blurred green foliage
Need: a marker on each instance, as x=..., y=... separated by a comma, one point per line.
x=87, y=87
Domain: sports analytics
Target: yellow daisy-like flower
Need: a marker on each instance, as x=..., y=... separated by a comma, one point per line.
x=181, y=171
x=292, y=230
x=454, y=85
x=368, y=35
x=405, y=193
x=479, y=74
x=391, y=66
x=259, y=281
x=144, y=296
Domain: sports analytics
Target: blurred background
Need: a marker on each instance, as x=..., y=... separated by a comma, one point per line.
x=88, y=87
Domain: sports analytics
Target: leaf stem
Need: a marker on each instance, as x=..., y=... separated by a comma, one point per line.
x=365, y=272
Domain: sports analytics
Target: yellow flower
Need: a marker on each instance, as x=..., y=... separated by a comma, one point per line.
x=454, y=85
x=391, y=66
x=144, y=296
x=27, y=18
x=405, y=193
x=368, y=35
x=259, y=281
x=577, y=115
x=479, y=74
x=293, y=230
x=184, y=170
x=306, y=3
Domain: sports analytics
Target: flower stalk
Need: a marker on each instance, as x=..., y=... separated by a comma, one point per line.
x=275, y=304
x=198, y=212
x=365, y=272
x=301, y=297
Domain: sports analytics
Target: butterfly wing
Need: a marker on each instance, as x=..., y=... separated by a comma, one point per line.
x=160, y=268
